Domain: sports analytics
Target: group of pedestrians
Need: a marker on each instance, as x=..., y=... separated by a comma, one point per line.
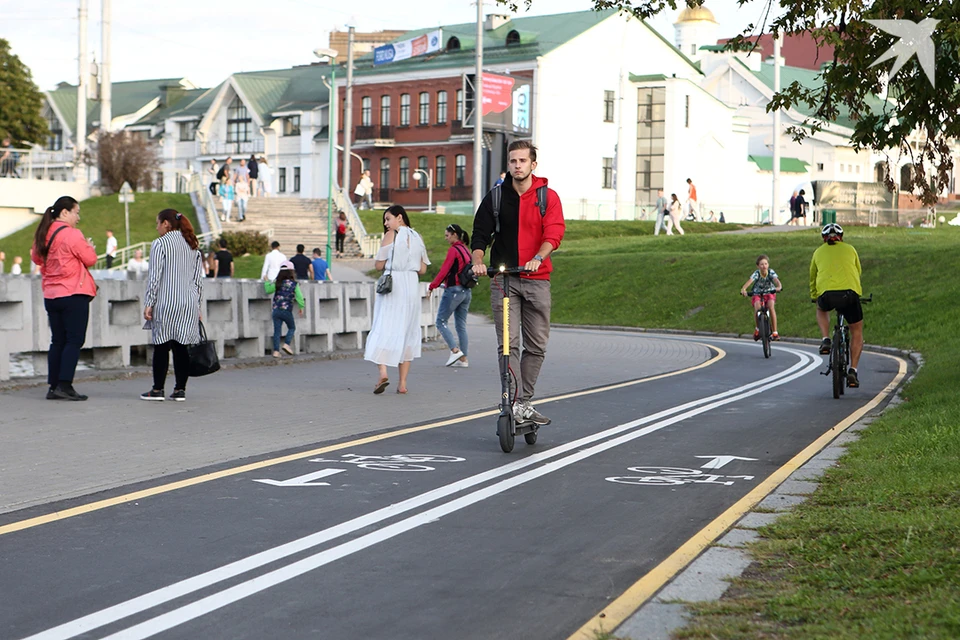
x=670, y=212
x=250, y=179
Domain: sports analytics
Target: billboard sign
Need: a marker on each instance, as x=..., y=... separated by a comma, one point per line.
x=506, y=103
x=427, y=43
x=854, y=202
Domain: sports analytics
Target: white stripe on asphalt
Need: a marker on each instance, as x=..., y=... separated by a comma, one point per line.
x=165, y=594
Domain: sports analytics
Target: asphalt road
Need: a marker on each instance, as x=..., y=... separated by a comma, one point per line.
x=430, y=531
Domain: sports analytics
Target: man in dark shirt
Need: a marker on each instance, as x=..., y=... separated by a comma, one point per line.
x=223, y=261
x=302, y=264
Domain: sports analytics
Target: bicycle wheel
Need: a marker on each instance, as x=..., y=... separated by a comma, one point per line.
x=765, y=333
x=836, y=365
x=505, y=432
x=846, y=359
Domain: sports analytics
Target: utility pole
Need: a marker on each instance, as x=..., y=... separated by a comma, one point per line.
x=478, y=114
x=348, y=115
x=106, y=108
x=80, y=135
x=774, y=207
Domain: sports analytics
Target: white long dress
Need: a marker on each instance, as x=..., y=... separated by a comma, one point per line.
x=395, y=336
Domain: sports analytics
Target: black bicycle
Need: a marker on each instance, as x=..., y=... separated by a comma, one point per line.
x=764, y=324
x=839, y=360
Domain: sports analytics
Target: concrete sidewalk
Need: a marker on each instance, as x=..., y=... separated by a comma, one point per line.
x=52, y=450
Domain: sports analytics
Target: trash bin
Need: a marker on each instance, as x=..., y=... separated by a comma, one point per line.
x=828, y=216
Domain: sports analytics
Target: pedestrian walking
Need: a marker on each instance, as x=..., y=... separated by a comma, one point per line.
x=223, y=261
x=8, y=159
x=265, y=173
x=137, y=265
x=214, y=170
x=675, y=214
x=254, y=175
x=302, y=265
x=693, y=206
x=172, y=301
x=111, y=248
x=524, y=219
x=365, y=190
x=17, y=268
x=242, y=194
x=341, y=233
x=321, y=271
x=227, y=196
x=285, y=291
x=395, y=335
x=65, y=258
x=662, y=211
x=224, y=172
x=456, y=297
x=272, y=262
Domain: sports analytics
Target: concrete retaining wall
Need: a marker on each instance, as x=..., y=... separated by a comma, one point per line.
x=236, y=313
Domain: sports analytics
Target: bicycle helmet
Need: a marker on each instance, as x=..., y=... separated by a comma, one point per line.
x=831, y=229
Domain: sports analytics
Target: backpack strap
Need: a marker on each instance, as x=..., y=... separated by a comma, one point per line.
x=542, y=200
x=50, y=243
x=495, y=196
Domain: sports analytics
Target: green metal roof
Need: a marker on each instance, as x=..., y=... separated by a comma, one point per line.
x=185, y=104
x=126, y=98
x=296, y=89
x=813, y=80
x=787, y=165
x=655, y=77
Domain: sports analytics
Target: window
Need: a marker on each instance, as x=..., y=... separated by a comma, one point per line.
x=693, y=49
x=422, y=166
x=188, y=130
x=366, y=164
x=608, y=106
x=513, y=38
x=424, y=108
x=819, y=166
x=841, y=168
x=686, y=111
x=404, y=172
x=460, y=105
x=384, y=172
x=55, y=139
x=460, y=175
x=282, y=187
x=291, y=126
x=384, y=111
x=405, y=110
x=453, y=44
x=858, y=169
x=651, y=134
x=296, y=179
x=441, y=107
x=608, y=173
x=366, y=111
x=440, y=176
x=239, y=123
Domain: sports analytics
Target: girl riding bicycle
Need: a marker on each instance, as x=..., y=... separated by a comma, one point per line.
x=764, y=285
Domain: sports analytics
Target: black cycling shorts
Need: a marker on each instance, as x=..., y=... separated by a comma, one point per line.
x=846, y=302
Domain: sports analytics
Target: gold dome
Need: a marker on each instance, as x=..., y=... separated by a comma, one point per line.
x=696, y=14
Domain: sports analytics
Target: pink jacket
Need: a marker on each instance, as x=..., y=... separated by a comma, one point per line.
x=66, y=270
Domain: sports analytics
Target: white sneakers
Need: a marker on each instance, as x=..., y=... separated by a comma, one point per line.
x=454, y=357
x=459, y=364
x=524, y=412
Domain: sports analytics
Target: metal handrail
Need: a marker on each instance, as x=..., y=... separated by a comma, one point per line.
x=369, y=243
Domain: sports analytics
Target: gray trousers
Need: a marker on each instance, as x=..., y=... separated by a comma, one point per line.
x=529, y=317
x=659, y=224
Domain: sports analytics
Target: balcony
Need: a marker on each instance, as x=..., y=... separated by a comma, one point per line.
x=378, y=136
x=220, y=147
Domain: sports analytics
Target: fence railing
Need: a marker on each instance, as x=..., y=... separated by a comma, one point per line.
x=32, y=163
x=369, y=243
x=223, y=148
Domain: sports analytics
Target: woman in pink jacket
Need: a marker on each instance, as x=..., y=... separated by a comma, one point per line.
x=64, y=257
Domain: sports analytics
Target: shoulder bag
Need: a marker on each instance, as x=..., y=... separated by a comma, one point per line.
x=385, y=281
x=203, y=356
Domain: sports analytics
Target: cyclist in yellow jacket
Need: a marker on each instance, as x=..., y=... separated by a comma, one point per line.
x=835, y=284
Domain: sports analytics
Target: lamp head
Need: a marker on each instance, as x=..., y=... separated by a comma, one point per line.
x=325, y=53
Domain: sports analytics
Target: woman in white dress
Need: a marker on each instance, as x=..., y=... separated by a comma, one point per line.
x=395, y=336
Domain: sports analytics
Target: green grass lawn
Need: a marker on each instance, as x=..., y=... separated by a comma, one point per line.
x=102, y=213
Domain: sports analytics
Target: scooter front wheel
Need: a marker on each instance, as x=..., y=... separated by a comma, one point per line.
x=505, y=431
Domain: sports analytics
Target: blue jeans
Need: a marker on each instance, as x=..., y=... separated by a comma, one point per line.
x=279, y=317
x=456, y=301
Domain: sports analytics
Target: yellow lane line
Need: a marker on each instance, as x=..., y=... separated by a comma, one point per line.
x=614, y=614
x=226, y=473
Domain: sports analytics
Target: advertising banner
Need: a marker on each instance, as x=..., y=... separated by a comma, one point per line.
x=506, y=102
x=427, y=43
x=856, y=202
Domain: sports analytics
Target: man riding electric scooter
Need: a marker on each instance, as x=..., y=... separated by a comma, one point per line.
x=524, y=221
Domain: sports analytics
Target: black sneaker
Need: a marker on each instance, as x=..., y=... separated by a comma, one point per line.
x=825, y=345
x=178, y=395
x=852, y=380
x=153, y=394
x=51, y=394
x=67, y=392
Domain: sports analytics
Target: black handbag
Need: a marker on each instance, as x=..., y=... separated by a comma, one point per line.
x=385, y=281
x=467, y=278
x=203, y=356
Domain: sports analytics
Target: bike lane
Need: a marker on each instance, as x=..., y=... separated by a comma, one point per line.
x=530, y=548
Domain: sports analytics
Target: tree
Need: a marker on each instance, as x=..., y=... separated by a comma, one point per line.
x=126, y=157
x=887, y=110
x=21, y=101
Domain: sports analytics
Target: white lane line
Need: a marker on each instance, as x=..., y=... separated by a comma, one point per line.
x=243, y=590
x=189, y=585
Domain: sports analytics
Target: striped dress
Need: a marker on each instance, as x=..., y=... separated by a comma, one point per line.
x=174, y=289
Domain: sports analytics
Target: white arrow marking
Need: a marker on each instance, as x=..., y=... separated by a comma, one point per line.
x=304, y=480
x=718, y=461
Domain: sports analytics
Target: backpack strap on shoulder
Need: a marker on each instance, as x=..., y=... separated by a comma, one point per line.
x=495, y=196
x=542, y=200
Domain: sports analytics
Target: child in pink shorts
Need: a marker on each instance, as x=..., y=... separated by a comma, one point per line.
x=764, y=285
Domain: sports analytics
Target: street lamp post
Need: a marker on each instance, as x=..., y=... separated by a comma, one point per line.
x=429, y=176
x=126, y=197
x=330, y=54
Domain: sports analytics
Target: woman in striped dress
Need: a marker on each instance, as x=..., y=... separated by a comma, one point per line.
x=172, y=303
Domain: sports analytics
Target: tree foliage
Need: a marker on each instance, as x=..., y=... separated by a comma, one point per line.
x=21, y=101
x=126, y=157
x=913, y=108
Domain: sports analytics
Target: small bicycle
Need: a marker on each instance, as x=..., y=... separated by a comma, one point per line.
x=839, y=358
x=507, y=429
x=764, y=325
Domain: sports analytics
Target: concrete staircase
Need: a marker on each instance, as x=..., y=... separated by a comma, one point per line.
x=293, y=221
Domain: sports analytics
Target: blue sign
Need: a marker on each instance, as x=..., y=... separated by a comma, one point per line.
x=384, y=54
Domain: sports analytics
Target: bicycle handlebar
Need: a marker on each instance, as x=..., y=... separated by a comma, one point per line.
x=509, y=271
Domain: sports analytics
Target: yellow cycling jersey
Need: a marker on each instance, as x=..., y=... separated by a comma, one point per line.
x=834, y=268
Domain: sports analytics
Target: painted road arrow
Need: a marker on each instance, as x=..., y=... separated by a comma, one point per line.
x=304, y=480
x=718, y=461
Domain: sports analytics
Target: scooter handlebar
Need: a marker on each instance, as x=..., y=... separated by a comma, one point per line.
x=509, y=271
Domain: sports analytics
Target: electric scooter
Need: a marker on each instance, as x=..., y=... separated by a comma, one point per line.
x=507, y=429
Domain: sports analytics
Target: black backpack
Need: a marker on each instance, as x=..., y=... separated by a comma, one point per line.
x=496, y=196
x=466, y=277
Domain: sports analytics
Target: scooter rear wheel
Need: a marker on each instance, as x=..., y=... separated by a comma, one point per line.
x=530, y=437
x=505, y=431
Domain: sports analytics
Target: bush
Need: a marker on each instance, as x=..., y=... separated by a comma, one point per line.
x=243, y=242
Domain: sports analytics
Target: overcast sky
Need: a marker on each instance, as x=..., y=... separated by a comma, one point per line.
x=205, y=41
